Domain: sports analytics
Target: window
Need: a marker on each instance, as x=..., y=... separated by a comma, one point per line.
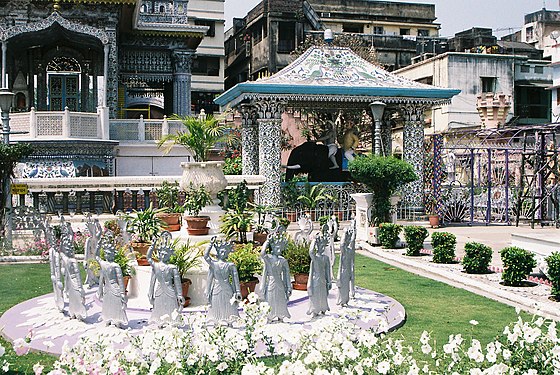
x=378, y=30
x=405, y=32
x=162, y=8
x=206, y=66
x=286, y=37
x=539, y=70
x=352, y=28
x=529, y=33
x=423, y=32
x=557, y=96
x=211, y=24
x=524, y=68
x=488, y=84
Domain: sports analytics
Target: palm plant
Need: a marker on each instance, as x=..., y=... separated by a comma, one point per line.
x=199, y=136
x=313, y=195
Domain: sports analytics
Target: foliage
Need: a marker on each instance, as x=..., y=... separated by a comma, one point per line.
x=290, y=194
x=79, y=242
x=199, y=136
x=312, y=195
x=553, y=262
x=233, y=165
x=443, y=244
x=383, y=176
x=168, y=197
x=236, y=224
x=261, y=213
x=246, y=259
x=123, y=260
x=389, y=234
x=39, y=247
x=113, y=226
x=518, y=264
x=186, y=256
x=238, y=197
x=414, y=236
x=144, y=224
x=196, y=198
x=477, y=257
x=297, y=255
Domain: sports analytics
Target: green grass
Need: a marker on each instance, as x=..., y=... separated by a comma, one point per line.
x=430, y=305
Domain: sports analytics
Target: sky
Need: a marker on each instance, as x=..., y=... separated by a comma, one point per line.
x=503, y=16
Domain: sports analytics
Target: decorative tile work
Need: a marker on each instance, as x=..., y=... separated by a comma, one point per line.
x=269, y=161
x=249, y=139
x=47, y=169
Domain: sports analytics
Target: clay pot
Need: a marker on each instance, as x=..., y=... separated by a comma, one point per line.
x=172, y=221
x=185, y=283
x=141, y=247
x=292, y=216
x=434, y=221
x=197, y=225
x=126, y=279
x=260, y=237
x=142, y=262
x=248, y=287
x=300, y=282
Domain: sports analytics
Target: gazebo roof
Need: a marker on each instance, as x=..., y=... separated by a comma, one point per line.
x=334, y=73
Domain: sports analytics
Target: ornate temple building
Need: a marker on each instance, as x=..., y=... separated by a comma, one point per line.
x=94, y=81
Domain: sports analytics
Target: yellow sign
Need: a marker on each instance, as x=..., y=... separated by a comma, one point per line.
x=19, y=189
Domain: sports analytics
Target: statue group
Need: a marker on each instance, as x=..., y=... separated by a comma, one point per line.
x=223, y=288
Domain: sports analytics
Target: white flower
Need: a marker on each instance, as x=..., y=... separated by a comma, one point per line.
x=2, y=350
x=426, y=348
x=222, y=366
x=383, y=367
x=475, y=371
x=252, y=297
x=507, y=354
x=6, y=367
x=532, y=372
x=473, y=322
x=38, y=368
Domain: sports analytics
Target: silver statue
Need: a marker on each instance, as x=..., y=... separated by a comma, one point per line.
x=54, y=260
x=319, y=282
x=303, y=235
x=92, y=242
x=165, y=293
x=223, y=284
x=122, y=223
x=345, y=278
x=111, y=289
x=277, y=286
x=73, y=288
x=332, y=231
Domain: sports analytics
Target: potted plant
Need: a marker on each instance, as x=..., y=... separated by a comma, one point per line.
x=144, y=225
x=123, y=260
x=311, y=196
x=168, y=201
x=383, y=176
x=290, y=196
x=186, y=257
x=246, y=259
x=237, y=221
x=196, y=198
x=297, y=255
x=260, y=230
x=431, y=211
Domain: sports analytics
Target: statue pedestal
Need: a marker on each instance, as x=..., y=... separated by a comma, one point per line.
x=363, y=204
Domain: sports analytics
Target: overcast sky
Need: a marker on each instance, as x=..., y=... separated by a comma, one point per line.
x=453, y=15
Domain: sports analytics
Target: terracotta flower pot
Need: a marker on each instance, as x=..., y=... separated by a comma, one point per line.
x=141, y=247
x=185, y=283
x=126, y=279
x=292, y=216
x=197, y=225
x=172, y=221
x=142, y=262
x=300, y=282
x=260, y=237
x=248, y=287
x=434, y=221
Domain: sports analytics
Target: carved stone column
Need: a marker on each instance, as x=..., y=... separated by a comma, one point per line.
x=387, y=134
x=249, y=139
x=413, y=152
x=270, y=127
x=113, y=74
x=182, y=60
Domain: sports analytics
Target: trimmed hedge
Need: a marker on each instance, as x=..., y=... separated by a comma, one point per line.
x=443, y=244
x=414, y=236
x=389, y=234
x=518, y=264
x=477, y=257
x=553, y=262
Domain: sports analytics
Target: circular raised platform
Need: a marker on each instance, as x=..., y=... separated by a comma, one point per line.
x=50, y=329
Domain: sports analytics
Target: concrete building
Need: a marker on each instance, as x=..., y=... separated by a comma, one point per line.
x=542, y=30
x=260, y=43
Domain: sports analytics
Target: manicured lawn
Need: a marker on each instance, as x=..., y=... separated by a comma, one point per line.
x=430, y=305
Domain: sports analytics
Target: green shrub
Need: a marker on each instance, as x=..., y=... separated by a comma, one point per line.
x=389, y=234
x=553, y=262
x=443, y=244
x=246, y=259
x=518, y=264
x=297, y=255
x=414, y=236
x=477, y=257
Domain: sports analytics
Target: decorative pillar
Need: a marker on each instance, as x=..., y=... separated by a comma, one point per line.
x=249, y=139
x=182, y=81
x=413, y=152
x=377, y=109
x=4, y=52
x=112, y=83
x=387, y=134
x=105, y=73
x=270, y=127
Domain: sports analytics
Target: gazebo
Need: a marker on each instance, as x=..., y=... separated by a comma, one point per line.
x=330, y=79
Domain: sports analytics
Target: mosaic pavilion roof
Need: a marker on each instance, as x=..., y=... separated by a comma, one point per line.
x=336, y=73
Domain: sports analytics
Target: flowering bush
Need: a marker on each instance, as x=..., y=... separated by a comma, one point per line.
x=414, y=236
x=518, y=264
x=389, y=234
x=477, y=257
x=443, y=244
x=233, y=165
x=39, y=247
x=80, y=242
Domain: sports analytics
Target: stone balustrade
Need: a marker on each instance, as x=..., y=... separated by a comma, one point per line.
x=103, y=194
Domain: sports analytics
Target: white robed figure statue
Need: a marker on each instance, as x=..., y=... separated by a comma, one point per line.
x=345, y=278
x=165, y=293
x=73, y=287
x=224, y=292
x=54, y=261
x=92, y=242
x=319, y=282
x=277, y=286
x=111, y=289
